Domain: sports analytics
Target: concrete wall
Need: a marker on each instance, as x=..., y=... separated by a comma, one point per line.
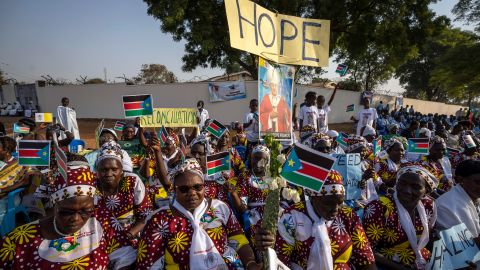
x=8, y=93
x=104, y=100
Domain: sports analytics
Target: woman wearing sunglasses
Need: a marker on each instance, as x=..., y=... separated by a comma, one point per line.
x=72, y=237
x=122, y=196
x=194, y=232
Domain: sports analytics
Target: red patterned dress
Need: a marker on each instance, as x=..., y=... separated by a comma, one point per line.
x=253, y=192
x=25, y=248
x=435, y=168
x=458, y=158
x=167, y=238
x=131, y=203
x=348, y=241
x=385, y=232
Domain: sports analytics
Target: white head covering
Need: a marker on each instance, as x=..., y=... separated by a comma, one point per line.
x=426, y=132
x=332, y=133
x=368, y=131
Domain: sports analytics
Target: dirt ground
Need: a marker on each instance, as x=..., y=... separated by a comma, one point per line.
x=87, y=127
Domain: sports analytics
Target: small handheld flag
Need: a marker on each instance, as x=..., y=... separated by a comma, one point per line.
x=19, y=129
x=61, y=159
x=34, y=153
x=218, y=163
x=306, y=167
x=452, y=152
x=216, y=129
x=43, y=117
x=162, y=136
x=377, y=146
x=137, y=105
x=418, y=145
x=350, y=108
x=342, y=140
x=342, y=70
x=119, y=126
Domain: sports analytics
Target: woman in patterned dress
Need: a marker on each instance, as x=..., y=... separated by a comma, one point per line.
x=388, y=221
x=73, y=238
x=321, y=233
x=389, y=162
x=194, y=232
x=215, y=187
x=438, y=164
x=121, y=196
x=470, y=151
x=248, y=198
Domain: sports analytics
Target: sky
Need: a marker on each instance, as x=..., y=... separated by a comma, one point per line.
x=69, y=39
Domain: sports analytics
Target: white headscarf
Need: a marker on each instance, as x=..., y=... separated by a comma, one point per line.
x=321, y=253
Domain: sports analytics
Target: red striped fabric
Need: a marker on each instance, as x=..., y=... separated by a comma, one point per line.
x=137, y=105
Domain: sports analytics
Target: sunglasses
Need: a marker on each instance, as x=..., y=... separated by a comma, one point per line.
x=186, y=189
x=69, y=213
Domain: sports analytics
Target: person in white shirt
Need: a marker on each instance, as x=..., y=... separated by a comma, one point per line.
x=324, y=110
x=202, y=114
x=67, y=117
x=308, y=114
x=366, y=117
x=251, y=123
x=461, y=203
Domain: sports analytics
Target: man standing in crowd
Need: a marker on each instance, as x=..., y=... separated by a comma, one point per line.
x=202, y=114
x=324, y=110
x=251, y=126
x=308, y=114
x=67, y=117
x=366, y=117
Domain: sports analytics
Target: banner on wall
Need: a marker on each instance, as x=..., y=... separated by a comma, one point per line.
x=170, y=117
x=275, y=86
x=224, y=91
x=276, y=37
x=399, y=101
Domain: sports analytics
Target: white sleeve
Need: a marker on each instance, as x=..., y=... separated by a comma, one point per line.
x=247, y=118
x=375, y=115
x=359, y=115
x=327, y=109
x=300, y=113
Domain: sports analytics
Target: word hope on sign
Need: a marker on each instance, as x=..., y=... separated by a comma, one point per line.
x=280, y=38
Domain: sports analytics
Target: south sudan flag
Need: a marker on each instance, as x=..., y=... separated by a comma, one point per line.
x=138, y=105
x=418, y=145
x=61, y=159
x=163, y=136
x=306, y=167
x=119, y=126
x=34, y=153
x=216, y=129
x=218, y=163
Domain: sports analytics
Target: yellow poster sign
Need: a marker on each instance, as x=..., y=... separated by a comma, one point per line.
x=276, y=37
x=170, y=117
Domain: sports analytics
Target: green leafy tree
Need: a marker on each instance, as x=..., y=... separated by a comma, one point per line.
x=355, y=25
x=155, y=74
x=415, y=75
x=469, y=11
